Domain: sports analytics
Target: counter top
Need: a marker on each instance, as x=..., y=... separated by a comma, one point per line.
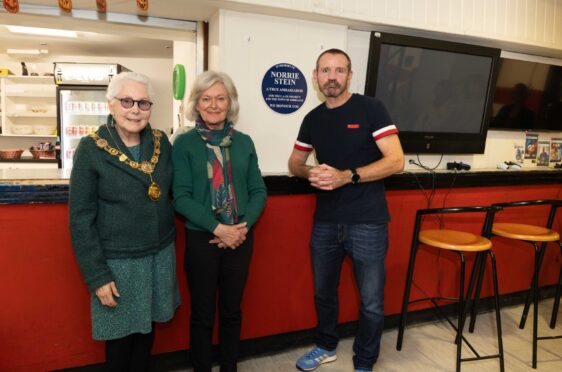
x=22, y=186
x=34, y=176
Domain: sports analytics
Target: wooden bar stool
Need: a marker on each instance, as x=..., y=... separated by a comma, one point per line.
x=460, y=242
x=533, y=235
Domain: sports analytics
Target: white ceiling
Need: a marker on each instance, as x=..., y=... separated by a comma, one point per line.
x=109, y=38
x=115, y=38
x=88, y=44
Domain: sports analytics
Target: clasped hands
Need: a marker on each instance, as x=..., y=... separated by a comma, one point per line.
x=325, y=177
x=229, y=236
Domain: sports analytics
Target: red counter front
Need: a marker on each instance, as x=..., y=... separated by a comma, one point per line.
x=44, y=317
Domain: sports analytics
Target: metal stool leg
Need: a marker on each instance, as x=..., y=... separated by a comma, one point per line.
x=461, y=312
x=497, y=306
x=530, y=294
x=476, y=269
x=405, y=301
x=477, y=294
x=556, y=296
x=535, y=290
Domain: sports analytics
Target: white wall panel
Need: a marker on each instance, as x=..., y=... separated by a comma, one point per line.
x=334, y=5
x=432, y=13
x=531, y=23
x=489, y=17
x=539, y=22
x=501, y=19
x=478, y=16
x=349, y=7
x=548, y=22
x=457, y=18
x=520, y=20
x=511, y=20
x=406, y=12
x=556, y=21
x=373, y=8
x=392, y=10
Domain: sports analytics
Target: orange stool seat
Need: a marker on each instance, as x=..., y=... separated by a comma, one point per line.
x=455, y=240
x=521, y=231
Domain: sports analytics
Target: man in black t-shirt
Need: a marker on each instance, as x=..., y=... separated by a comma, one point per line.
x=357, y=146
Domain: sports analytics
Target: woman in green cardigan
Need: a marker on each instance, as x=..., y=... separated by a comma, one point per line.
x=218, y=188
x=122, y=225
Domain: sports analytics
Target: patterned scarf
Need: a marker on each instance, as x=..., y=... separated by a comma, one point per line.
x=219, y=170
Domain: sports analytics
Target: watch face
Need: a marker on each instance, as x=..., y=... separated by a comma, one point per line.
x=355, y=178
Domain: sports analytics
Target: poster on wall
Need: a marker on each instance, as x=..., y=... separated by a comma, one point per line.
x=518, y=151
x=531, y=144
x=284, y=88
x=556, y=150
x=543, y=153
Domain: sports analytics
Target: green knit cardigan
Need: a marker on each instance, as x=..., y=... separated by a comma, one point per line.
x=111, y=215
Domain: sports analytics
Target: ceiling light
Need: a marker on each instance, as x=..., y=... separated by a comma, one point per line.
x=42, y=31
x=26, y=52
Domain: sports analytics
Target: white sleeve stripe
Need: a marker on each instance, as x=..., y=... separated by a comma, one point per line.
x=385, y=129
x=302, y=144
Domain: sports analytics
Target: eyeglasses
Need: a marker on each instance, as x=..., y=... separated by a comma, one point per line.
x=127, y=103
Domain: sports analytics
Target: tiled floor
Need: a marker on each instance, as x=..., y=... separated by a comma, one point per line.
x=429, y=347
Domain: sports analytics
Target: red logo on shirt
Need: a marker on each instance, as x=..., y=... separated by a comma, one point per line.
x=352, y=126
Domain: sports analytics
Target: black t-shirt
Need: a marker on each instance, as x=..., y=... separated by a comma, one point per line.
x=344, y=137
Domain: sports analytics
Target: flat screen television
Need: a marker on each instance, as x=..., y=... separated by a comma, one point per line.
x=528, y=96
x=438, y=93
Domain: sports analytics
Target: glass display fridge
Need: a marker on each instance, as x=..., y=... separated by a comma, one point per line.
x=81, y=103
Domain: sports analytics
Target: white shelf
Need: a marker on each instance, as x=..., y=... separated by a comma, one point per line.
x=30, y=93
x=75, y=113
x=31, y=115
x=20, y=96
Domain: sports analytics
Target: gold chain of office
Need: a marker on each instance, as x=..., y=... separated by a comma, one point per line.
x=146, y=167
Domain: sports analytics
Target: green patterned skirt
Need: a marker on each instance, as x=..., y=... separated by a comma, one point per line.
x=149, y=292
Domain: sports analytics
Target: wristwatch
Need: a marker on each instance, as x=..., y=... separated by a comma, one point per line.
x=355, y=177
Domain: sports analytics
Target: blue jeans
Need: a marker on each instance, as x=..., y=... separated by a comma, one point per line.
x=366, y=245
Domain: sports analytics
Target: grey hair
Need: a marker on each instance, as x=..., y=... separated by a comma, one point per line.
x=116, y=84
x=203, y=82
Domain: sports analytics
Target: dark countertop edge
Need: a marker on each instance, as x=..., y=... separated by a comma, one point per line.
x=287, y=185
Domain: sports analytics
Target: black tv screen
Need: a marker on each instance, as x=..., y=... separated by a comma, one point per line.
x=528, y=96
x=438, y=93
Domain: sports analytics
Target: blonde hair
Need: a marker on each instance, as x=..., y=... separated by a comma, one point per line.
x=203, y=82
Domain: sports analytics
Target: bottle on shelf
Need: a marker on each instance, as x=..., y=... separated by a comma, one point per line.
x=24, y=71
x=57, y=147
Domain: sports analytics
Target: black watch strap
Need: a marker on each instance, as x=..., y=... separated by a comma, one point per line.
x=355, y=177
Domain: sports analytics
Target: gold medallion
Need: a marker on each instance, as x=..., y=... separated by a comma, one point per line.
x=101, y=142
x=154, y=191
x=148, y=168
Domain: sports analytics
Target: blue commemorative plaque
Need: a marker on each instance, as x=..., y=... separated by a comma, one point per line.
x=284, y=88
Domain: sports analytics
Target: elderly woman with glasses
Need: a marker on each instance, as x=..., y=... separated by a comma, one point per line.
x=122, y=225
x=218, y=188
